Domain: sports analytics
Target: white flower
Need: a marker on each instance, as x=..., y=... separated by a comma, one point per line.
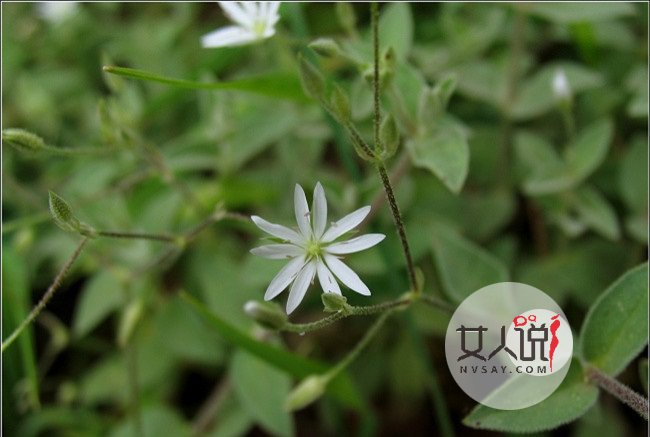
x=253, y=21
x=55, y=12
x=312, y=250
x=561, y=88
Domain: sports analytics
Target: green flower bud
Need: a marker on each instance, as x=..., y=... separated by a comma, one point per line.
x=312, y=81
x=309, y=390
x=129, y=321
x=334, y=303
x=268, y=314
x=341, y=104
x=346, y=15
x=23, y=140
x=325, y=47
x=65, y=219
x=389, y=137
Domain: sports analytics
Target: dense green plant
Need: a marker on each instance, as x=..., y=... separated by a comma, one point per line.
x=494, y=142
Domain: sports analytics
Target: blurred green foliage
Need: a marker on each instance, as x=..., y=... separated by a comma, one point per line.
x=496, y=177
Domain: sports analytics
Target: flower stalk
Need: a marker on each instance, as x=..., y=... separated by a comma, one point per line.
x=619, y=390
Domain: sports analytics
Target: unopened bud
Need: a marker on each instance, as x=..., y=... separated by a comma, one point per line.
x=325, y=47
x=23, y=140
x=341, y=104
x=309, y=390
x=65, y=218
x=129, y=321
x=267, y=314
x=561, y=87
x=312, y=80
x=334, y=303
x=389, y=137
x=346, y=15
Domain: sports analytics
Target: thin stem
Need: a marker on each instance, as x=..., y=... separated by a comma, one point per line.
x=390, y=195
x=436, y=303
x=47, y=296
x=374, y=11
x=138, y=236
x=208, y=411
x=354, y=353
x=619, y=390
x=396, y=175
x=399, y=224
x=351, y=311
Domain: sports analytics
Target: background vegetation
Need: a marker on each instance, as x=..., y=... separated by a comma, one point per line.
x=497, y=180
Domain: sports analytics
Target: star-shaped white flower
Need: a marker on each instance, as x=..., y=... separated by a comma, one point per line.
x=312, y=251
x=253, y=21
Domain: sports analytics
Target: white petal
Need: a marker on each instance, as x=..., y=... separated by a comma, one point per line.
x=227, y=37
x=278, y=230
x=326, y=278
x=273, y=15
x=284, y=277
x=278, y=251
x=355, y=244
x=319, y=211
x=300, y=285
x=302, y=211
x=236, y=13
x=251, y=9
x=346, y=224
x=346, y=275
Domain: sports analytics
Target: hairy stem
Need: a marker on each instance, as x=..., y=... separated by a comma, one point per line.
x=351, y=311
x=619, y=390
x=138, y=236
x=47, y=296
x=436, y=303
x=385, y=180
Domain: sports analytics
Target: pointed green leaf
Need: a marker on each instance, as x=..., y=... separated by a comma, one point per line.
x=581, y=159
x=616, y=327
x=596, y=212
x=265, y=404
x=396, y=28
x=443, y=150
x=277, y=85
x=100, y=296
x=572, y=399
x=463, y=266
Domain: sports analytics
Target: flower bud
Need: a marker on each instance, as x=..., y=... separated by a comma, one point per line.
x=130, y=318
x=65, y=219
x=325, y=47
x=312, y=80
x=389, y=137
x=334, y=302
x=309, y=390
x=267, y=314
x=341, y=104
x=23, y=140
x=346, y=15
x=561, y=87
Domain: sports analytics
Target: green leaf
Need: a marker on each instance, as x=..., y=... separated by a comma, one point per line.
x=596, y=212
x=463, y=266
x=100, y=296
x=633, y=175
x=157, y=420
x=616, y=327
x=264, y=404
x=312, y=80
x=277, y=85
x=396, y=29
x=566, y=13
x=442, y=150
x=341, y=387
x=536, y=96
x=572, y=399
x=580, y=160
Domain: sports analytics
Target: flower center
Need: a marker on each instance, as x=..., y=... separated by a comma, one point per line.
x=314, y=249
x=259, y=28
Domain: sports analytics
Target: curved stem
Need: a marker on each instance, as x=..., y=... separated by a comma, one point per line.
x=351, y=311
x=47, y=296
x=436, y=303
x=619, y=390
x=138, y=236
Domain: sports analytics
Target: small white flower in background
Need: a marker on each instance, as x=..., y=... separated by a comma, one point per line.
x=55, y=12
x=561, y=88
x=312, y=251
x=254, y=21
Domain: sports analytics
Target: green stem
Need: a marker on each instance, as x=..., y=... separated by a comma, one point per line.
x=47, y=296
x=138, y=236
x=436, y=302
x=622, y=392
x=374, y=11
x=350, y=311
x=354, y=353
